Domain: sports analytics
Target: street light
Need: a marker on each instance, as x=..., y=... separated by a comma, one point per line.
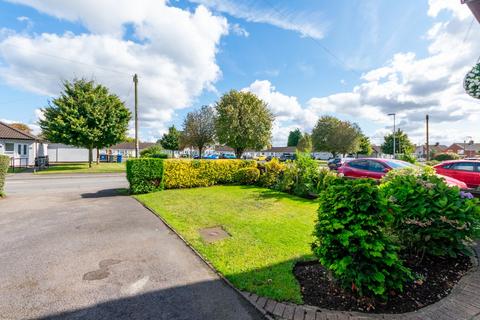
x=394, y=133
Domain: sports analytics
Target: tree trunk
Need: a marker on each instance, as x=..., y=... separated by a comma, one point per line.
x=98, y=156
x=90, y=156
x=200, y=151
x=239, y=153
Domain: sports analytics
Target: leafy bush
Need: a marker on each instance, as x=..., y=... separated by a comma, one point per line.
x=408, y=157
x=287, y=178
x=4, y=164
x=432, y=162
x=145, y=175
x=351, y=240
x=154, y=151
x=270, y=173
x=429, y=216
x=446, y=156
x=247, y=175
x=307, y=176
x=325, y=177
x=182, y=173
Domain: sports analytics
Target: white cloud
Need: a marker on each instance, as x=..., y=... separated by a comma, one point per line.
x=308, y=24
x=239, y=30
x=175, y=65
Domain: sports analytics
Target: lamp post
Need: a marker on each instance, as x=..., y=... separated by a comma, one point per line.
x=394, y=133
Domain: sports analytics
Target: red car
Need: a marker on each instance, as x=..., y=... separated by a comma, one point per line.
x=377, y=168
x=467, y=171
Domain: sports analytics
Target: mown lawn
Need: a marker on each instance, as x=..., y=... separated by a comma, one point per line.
x=83, y=168
x=269, y=231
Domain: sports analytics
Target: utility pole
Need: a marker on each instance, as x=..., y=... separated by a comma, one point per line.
x=428, y=142
x=394, y=133
x=135, y=81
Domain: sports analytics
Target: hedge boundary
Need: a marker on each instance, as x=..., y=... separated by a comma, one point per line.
x=145, y=175
x=4, y=164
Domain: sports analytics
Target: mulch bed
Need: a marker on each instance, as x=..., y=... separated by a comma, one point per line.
x=438, y=277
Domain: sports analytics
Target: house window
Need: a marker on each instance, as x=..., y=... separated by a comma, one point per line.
x=9, y=147
x=19, y=148
x=25, y=149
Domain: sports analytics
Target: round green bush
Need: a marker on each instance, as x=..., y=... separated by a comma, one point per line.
x=247, y=175
x=4, y=163
x=446, y=156
x=352, y=242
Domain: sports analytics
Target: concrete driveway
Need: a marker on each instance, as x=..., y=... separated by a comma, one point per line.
x=72, y=248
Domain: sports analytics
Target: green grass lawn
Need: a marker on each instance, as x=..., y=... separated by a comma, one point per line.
x=83, y=168
x=269, y=231
x=16, y=170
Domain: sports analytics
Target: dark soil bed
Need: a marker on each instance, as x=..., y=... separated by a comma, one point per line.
x=435, y=278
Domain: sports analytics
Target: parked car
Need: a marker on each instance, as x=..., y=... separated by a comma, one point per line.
x=260, y=158
x=467, y=171
x=288, y=156
x=227, y=156
x=335, y=163
x=377, y=168
x=211, y=156
x=270, y=158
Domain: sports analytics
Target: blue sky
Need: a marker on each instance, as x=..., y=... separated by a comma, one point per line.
x=383, y=56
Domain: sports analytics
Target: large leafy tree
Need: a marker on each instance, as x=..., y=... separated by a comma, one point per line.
x=170, y=140
x=243, y=121
x=402, y=143
x=85, y=115
x=335, y=136
x=199, y=129
x=364, y=146
x=294, y=137
x=305, y=143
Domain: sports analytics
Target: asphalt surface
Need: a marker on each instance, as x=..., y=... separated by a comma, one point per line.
x=71, y=247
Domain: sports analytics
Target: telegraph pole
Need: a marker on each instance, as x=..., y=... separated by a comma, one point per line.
x=428, y=143
x=135, y=81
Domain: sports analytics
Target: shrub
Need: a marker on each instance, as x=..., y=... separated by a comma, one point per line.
x=429, y=216
x=287, y=178
x=180, y=173
x=154, y=151
x=351, y=240
x=4, y=163
x=307, y=176
x=408, y=157
x=247, y=175
x=145, y=175
x=270, y=173
x=325, y=177
x=446, y=156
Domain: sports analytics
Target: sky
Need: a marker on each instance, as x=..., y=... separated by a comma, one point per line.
x=358, y=60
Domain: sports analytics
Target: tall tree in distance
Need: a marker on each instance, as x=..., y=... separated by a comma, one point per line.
x=243, y=121
x=335, y=136
x=85, y=115
x=199, y=129
x=22, y=127
x=170, y=140
x=364, y=147
x=294, y=137
x=402, y=143
x=305, y=143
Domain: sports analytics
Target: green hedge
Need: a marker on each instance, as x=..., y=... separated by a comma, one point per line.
x=4, y=163
x=183, y=173
x=145, y=175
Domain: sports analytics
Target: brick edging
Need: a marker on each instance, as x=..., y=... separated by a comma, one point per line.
x=463, y=302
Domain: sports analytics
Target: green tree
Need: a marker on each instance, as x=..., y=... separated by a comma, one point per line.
x=199, y=129
x=305, y=143
x=85, y=115
x=365, y=147
x=170, y=140
x=243, y=121
x=335, y=136
x=402, y=143
x=294, y=137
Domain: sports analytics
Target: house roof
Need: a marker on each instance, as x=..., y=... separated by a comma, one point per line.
x=9, y=132
x=131, y=145
x=281, y=149
x=468, y=146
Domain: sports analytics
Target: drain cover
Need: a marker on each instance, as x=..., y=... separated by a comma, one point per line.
x=213, y=234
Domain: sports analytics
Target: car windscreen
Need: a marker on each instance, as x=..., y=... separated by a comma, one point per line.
x=398, y=164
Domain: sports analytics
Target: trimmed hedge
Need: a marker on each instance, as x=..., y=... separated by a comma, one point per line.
x=4, y=163
x=246, y=176
x=145, y=175
x=202, y=173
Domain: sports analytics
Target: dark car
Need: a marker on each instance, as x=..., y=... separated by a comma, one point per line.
x=288, y=156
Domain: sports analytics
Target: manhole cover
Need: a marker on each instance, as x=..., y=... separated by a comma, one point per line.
x=213, y=234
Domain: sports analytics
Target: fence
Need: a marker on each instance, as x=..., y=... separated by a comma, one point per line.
x=18, y=163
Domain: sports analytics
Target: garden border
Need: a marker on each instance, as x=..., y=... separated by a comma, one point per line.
x=463, y=302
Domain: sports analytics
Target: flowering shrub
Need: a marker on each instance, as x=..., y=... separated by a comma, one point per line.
x=270, y=173
x=351, y=240
x=472, y=82
x=429, y=216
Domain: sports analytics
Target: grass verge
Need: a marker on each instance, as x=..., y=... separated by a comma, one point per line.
x=83, y=168
x=270, y=231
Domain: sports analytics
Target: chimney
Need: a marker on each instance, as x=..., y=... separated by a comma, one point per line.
x=470, y=142
x=437, y=144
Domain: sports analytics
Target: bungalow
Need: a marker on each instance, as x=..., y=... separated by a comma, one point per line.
x=468, y=149
x=421, y=151
x=22, y=147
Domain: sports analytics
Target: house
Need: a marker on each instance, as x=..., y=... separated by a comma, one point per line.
x=279, y=151
x=421, y=151
x=468, y=149
x=22, y=147
x=127, y=149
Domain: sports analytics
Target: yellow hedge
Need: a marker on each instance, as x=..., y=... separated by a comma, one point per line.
x=181, y=173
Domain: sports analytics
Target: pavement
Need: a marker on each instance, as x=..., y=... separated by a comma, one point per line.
x=72, y=247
